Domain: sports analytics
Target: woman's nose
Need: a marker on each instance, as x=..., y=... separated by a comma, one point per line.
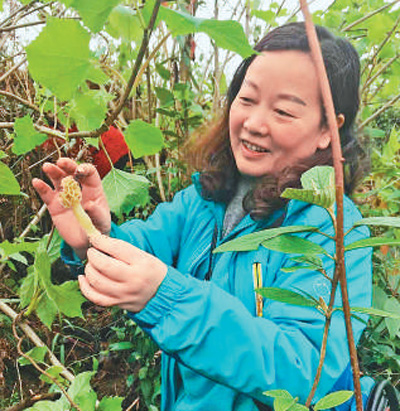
x=256, y=124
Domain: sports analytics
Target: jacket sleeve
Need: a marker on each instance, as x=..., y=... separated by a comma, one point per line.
x=213, y=333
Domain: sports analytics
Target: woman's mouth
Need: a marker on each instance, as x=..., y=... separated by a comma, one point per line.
x=254, y=147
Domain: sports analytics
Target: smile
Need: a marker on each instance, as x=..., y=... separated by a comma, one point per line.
x=254, y=147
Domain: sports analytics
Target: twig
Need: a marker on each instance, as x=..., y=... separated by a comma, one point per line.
x=16, y=320
x=20, y=100
x=34, y=221
x=367, y=16
x=12, y=15
x=12, y=69
x=380, y=111
x=23, y=405
x=6, y=124
x=30, y=333
x=339, y=182
x=23, y=25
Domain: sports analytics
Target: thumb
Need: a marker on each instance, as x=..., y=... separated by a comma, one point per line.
x=119, y=249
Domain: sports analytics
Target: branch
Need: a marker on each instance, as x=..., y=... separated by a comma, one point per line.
x=30, y=333
x=316, y=55
x=20, y=100
x=25, y=404
x=367, y=16
x=12, y=69
x=380, y=111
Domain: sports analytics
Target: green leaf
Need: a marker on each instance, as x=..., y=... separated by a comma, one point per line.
x=58, y=61
x=27, y=289
x=8, y=183
x=392, y=324
x=291, y=244
x=110, y=404
x=55, y=372
x=299, y=407
x=283, y=404
x=37, y=354
x=286, y=296
x=46, y=406
x=120, y=346
x=372, y=242
x=318, y=187
x=277, y=394
x=229, y=35
x=380, y=221
x=27, y=138
x=252, y=241
x=125, y=191
x=46, y=310
x=89, y=110
x=376, y=312
x=143, y=139
x=66, y=296
x=94, y=13
x=81, y=392
x=125, y=24
x=333, y=400
x=7, y=249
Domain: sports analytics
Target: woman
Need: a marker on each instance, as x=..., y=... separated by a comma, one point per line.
x=221, y=349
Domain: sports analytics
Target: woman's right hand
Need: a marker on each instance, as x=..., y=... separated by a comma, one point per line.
x=94, y=201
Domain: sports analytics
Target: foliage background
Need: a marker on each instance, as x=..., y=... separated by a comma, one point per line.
x=58, y=94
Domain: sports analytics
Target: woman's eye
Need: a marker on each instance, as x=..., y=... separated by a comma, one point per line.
x=246, y=100
x=283, y=113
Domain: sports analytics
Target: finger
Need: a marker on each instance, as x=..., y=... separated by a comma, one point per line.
x=87, y=175
x=68, y=165
x=55, y=174
x=109, y=266
x=103, y=284
x=93, y=295
x=45, y=192
x=118, y=249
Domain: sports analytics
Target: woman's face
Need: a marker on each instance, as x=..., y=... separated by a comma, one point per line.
x=275, y=119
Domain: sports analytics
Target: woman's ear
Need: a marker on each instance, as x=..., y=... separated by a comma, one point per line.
x=325, y=137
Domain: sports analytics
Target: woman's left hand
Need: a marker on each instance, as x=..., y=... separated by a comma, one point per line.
x=118, y=273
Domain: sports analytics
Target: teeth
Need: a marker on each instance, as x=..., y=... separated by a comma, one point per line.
x=254, y=147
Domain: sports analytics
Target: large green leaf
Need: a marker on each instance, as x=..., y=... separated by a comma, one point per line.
x=253, y=241
x=81, y=392
x=380, y=221
x=94, y=13
x=26, y=137
x=8, y=183
x=66, y=296
x=291, y=244
x=36, y=353
x=318, y=187
x=227, y=34
x=392, y=324
x=89, y=109
x=46, y=310
x=286, y=296
x=372, y=242
x=59, y=57
x=47, y=406
x=375, y=312
x=125, y=24
x=143, y=139
x=125, y=191
x=333, y=400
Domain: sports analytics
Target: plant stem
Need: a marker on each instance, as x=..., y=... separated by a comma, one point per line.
x=338, y=166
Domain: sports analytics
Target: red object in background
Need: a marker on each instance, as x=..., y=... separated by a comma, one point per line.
x=114, y=143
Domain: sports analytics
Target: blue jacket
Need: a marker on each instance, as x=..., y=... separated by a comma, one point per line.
x=218, y=355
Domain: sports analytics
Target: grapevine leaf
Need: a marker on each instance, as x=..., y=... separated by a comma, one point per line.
x=372, y=242
x=143, y=139
x=26, y=138
x=286, y=296
x=27, y=289
x=46, y=310
x=333, y=400
x=125, y=191
x=8, y=183
x=8, y=249
x=110, y=404
x=252, y=241
x=66, y=296
x=381, y=221
x=392, y=324
x=293, y=245
x=94, y=13
x=58, y=61
x=89, y=110
x=227, y=34
x=125, y=24
x=81, y=392
x=37, y=354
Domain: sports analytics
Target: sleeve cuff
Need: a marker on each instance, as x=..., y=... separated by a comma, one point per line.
x=70, y=258
x=171, y=290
